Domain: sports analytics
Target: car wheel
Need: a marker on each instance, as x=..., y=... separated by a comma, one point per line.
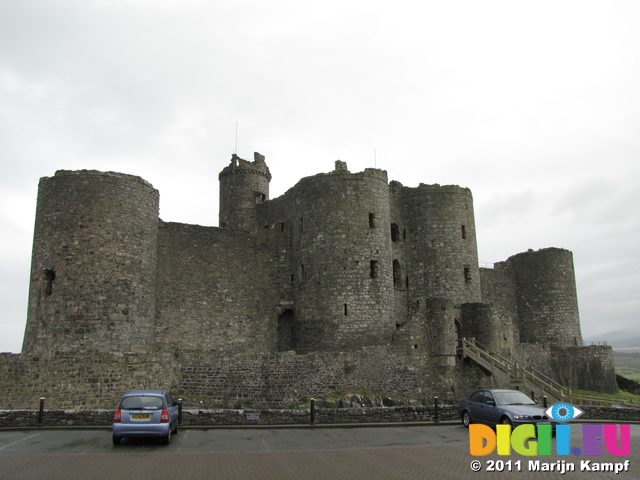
x=167, y=438
x=466, y=419
x=505, y=421
x=116, y=440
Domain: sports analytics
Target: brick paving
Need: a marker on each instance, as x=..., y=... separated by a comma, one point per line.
x=413, y=462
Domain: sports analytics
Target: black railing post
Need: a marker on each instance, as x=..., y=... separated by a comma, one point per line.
x=436, y=413
x=544, y=401
x=179, y=411
x=312, y=412
x=41, y=412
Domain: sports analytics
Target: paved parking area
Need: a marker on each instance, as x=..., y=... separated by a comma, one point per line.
x=311, y=453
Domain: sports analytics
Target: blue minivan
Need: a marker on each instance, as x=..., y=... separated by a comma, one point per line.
x=146, y=413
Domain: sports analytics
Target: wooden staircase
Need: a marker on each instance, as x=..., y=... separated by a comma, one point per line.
x=529, y=380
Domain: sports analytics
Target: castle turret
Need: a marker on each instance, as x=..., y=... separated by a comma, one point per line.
x=546, y=297
x=93, y=270
x=243, y=186
x=441, y=242
x=341, y=254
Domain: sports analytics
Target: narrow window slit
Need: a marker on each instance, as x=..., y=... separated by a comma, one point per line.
x=49, y=277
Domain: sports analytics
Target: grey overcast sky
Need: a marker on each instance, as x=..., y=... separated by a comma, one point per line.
x=533, y=105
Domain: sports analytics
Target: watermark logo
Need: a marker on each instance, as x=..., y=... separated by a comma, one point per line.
x=563, y=412
x=533, y=440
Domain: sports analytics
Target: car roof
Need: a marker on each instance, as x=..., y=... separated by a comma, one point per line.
x=156, y=393
x=499, y=390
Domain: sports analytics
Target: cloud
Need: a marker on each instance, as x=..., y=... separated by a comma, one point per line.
x=535, y=107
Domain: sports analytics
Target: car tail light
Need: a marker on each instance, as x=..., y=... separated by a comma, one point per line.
x=117, y=418
x=164, y=418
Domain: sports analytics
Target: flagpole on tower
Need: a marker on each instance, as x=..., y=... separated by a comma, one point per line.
x=235, y=150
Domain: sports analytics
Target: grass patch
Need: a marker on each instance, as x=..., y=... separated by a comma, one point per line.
x=621, y=395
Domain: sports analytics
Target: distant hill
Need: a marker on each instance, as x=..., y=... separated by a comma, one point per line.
x=617, y=339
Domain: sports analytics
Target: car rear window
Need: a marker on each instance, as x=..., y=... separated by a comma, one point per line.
x=142, y=403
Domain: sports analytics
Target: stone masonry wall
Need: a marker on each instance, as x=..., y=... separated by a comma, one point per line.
x=299, y=416
x=340, y=259
x=547, y=297
x=441, y=248
x=277, y=380
x=93, y=269
x=588, y=368
x=243, y=186
x=216, y=290
x=80, y=380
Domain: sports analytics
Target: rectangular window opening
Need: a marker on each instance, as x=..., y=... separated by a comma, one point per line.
x=302, y=274
x=49, y=277
x=372, y=220
x=373, y=267
x=395, y=232
x=346, y=310
x=467, y=275
x=464, y=232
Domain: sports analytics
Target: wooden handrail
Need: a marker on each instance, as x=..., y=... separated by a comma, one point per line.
x=530, y=377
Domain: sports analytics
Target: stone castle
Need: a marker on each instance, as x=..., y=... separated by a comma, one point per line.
x=345, y=283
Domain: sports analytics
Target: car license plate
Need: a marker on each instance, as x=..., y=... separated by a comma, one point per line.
x=140, y=416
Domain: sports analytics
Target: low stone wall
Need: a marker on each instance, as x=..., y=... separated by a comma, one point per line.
x=618, y=414
x=301, y=416
x=56, y=418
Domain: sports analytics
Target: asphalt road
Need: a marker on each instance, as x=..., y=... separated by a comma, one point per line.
x=439, y=452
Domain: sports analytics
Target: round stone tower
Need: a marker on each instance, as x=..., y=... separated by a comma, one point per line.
x=343, y=280
x=243, y=185
x=547, y=297
x=93, y=270
x=441, y=243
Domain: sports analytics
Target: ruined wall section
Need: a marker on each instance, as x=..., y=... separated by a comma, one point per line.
x=93, y=270
x=216, y=290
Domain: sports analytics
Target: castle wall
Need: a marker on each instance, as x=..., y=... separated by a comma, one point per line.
x=79, y=380
x=482, y=322
x=93, y=270
x=407, y=306
x=498, y=287
x=587, y=368
x=216, y=290
x=441, y=317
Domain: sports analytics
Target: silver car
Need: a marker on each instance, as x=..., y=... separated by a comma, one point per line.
x=494, y=406
x=146, y=413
